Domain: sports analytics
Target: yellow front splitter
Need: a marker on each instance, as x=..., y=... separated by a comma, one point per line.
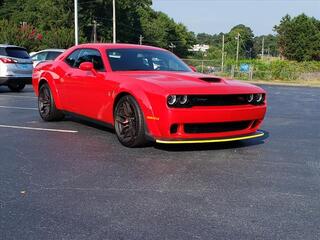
x=218, y=140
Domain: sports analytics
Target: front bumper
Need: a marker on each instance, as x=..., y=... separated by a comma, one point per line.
x=209, y=124
x=257, y=134
x=8, y=80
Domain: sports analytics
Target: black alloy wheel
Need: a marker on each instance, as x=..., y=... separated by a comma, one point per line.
x=46, y=105
x=129, y=123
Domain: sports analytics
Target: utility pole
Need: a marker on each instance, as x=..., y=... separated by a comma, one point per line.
x=262, y=51
x=114, y=22
x=141, y=39
x=94, y=31
x=238, y=49
x=76, y=22
x=222, y=56
x=172, y=46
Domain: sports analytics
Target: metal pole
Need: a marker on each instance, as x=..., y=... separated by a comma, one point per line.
x=114, y=22
x=140, y=39
x=222, y=58
x=76, y=22
x=238, y=49
x=262, y=51
x=94, y=31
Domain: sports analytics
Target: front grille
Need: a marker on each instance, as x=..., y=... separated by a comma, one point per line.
x=216, y=127
x=218, y=100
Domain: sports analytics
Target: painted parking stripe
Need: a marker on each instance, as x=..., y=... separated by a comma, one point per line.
x=20, y=108
x=38, y=129
x=21, y=96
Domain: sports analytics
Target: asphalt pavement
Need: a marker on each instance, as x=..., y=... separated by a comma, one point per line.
x=73, y=179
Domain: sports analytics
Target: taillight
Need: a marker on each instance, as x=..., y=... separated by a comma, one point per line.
x=7, y=60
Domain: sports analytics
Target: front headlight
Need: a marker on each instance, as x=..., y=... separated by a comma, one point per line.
x=172, y=100
x=259, y=98
x=177, y=100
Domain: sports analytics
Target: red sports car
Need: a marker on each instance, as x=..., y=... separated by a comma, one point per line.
x=147, y=94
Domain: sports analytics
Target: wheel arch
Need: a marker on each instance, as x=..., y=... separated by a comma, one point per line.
x=55, y=94
x=143, y=101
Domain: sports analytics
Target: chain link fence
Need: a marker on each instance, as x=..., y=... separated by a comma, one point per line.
x=249, y=71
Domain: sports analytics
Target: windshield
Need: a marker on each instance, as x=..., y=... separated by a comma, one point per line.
x=145, y=60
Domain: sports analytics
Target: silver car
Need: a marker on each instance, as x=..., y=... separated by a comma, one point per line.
x=15, y=67
x=45, y=55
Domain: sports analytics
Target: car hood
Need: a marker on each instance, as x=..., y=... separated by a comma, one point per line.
x=192, y=83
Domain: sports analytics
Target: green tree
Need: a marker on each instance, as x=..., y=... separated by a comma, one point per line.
x=246, y=49
x=299, y=38
x=270, y=45
x=54, y=18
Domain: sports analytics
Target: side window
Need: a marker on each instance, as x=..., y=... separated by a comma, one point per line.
x=39, y=57
x=71, y=59
x=53, y=55
x=2, y=51
x=91, y=55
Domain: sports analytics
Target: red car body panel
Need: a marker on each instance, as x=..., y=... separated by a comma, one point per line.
x=94, y=95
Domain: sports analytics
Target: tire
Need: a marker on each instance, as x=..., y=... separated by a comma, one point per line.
x=129, y=123
x=46, y=105
x=16, y=87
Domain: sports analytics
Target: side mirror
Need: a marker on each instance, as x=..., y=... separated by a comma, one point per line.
x=193, y=68
x=87, y=66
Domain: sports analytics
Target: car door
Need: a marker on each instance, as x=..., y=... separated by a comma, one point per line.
x=86, y=91
x=68, y=83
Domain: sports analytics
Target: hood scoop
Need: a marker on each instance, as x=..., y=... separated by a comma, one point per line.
x=211, y=79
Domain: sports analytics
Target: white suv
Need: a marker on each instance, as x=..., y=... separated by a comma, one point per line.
x=15, y=67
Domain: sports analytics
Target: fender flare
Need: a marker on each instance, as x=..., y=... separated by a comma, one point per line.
x=46, y=77
x=143, y=101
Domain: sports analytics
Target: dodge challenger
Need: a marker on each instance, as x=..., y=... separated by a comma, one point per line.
x=147, y=94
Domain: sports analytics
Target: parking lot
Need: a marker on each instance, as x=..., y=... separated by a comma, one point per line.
x=73, y=180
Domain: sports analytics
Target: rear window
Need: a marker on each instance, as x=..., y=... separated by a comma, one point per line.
x=17, y=53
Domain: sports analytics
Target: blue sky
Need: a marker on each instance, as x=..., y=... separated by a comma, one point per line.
x=215, y=16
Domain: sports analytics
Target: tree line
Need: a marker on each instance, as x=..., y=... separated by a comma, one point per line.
x=39, y=24
x=297, y=38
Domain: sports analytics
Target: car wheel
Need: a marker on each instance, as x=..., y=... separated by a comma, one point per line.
x=16, y=87
x=129, y=123
x=46, y=105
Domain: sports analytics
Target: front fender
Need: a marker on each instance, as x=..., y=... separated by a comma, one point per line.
x=149, y=100
x=49, y=78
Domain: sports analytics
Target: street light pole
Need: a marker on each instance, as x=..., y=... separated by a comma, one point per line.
x=76, y=22
x=238, y=48
x=262, y=51
x=114, y=22
x=222, y=56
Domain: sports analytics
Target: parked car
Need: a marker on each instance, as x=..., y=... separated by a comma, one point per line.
x=15, y=67
x=45, y=55
x=147, y=94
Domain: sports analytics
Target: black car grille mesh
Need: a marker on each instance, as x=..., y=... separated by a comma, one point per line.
x=218, y=100
x=216, y=127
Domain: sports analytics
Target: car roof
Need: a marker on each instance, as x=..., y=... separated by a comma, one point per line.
x=49, y=50
x=52, y=50
x=11, y=46
x=117, y=45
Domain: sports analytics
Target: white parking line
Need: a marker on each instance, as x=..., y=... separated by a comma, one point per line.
x=39, y=129
x=16, y=96
x=20, y=108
